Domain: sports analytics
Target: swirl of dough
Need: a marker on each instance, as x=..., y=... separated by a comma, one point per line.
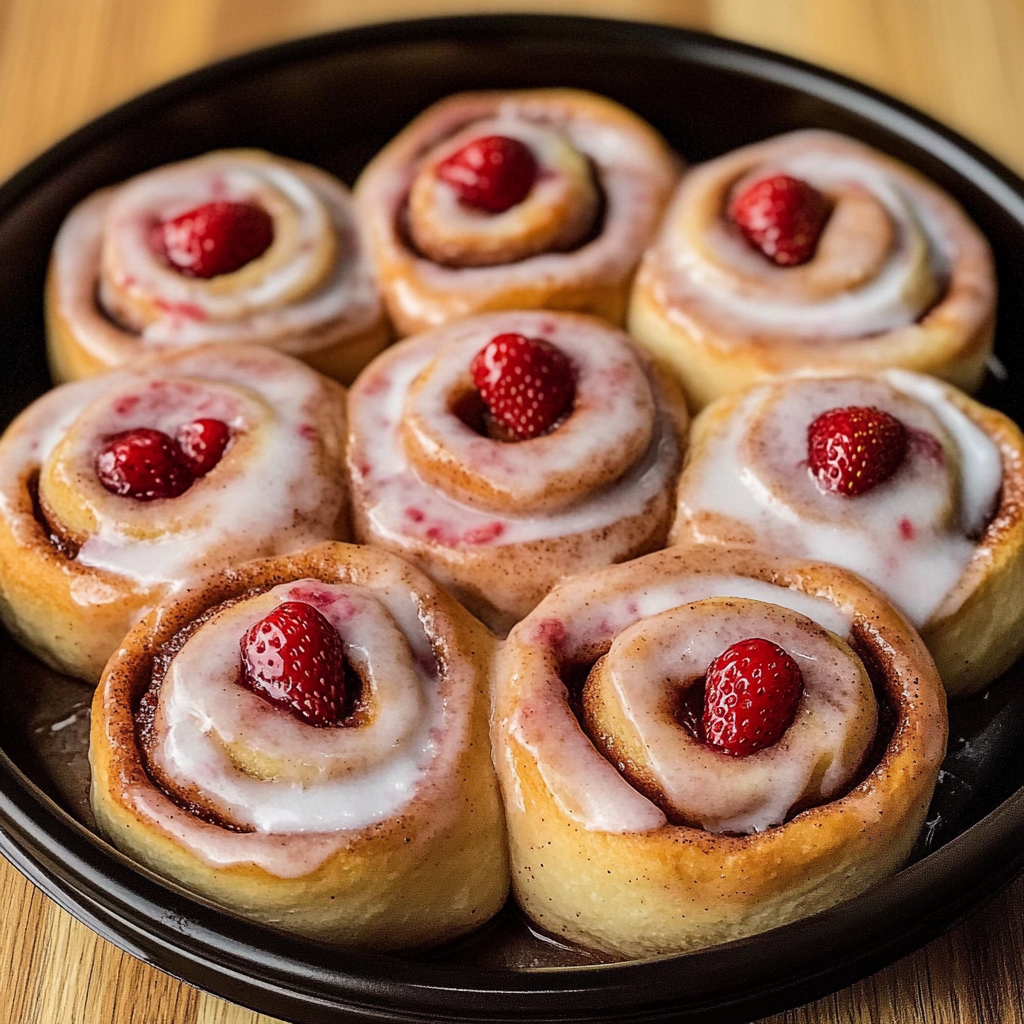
x=899, y=275
x=631, y=707
x=943, y=538
x=80, y=563
x=500, y=522
x=627, y=833
x=312, y=293
x=604, y=176
x=381, y=831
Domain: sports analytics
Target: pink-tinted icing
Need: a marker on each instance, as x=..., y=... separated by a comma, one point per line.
x=816, y=758
x=288, y=301
x=582, y=781
x=913, y=536
x=708, y=266
x=615, y=396
x=266, y=496
x=332, y=783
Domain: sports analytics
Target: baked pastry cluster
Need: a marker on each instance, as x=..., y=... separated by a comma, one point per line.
x=713, y=713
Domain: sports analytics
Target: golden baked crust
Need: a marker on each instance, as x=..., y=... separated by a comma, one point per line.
x=70, y=608
x=977, y=632
x=433, y=871
x=83, y=338
x=667, y=888
x=714, y=350
x=633, y=168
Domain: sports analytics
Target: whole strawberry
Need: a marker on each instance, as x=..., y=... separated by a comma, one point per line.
x=202, y=444
x=293, y=658
x=853, y=449
x=143, y=464
x=751, y=692
x=491, y=174
x=216, y=238
x=527, y=384
x=783, y=217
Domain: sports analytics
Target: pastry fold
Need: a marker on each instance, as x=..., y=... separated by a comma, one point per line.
x=500, y=522
x=900, y=276
x=381, y=832
x=572, y=244
x=79, y=565
x=111, y=296
x=605, y=857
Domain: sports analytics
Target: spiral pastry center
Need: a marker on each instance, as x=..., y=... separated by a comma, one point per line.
x=633, y=696
x=555, y=213
x=219, y=745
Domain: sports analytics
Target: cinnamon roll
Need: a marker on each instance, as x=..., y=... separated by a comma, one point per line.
x=811, y=250
x=236, y=245
x=508, y=450
x=897, y=476
x=119, y=489
x=543, y=198
x=703, y=744
x=303, y=741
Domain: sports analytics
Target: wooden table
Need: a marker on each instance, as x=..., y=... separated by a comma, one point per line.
x=64, y=61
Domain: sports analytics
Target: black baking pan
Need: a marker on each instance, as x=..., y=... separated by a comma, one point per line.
x=334, y=100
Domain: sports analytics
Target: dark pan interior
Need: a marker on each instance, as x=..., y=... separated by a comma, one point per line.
x=334, y=101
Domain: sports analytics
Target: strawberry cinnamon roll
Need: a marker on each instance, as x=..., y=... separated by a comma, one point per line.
x=811, y=250
x=514, y=200
x=237, y=245
x=119, y=489
x=703, y=744
x=506, y=451
x=303, y=740
x=897, y=476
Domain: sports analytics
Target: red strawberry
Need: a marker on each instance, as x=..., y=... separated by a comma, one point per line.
x=783, y=217
x=293, y=658
x=854, y=449
x=491, y=174
x=751, y=691
x=216, y=238
x=142, y=464
x=526, y=383
x=202, y=444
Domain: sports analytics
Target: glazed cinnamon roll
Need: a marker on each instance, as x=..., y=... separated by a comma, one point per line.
x=303, y=740
x=811, y=250
x=506, y=451
x=116, y=490
x=703, y=744
x=543, y=198
x=237, y=245
x=897, y=476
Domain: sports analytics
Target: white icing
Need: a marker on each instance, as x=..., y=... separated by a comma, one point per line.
x=634, y=172
x=817, y=756
x=291, y=302
x=585, y=785
x=356, y=775
x=909, y=535
x=268, y=495
x=400, y=503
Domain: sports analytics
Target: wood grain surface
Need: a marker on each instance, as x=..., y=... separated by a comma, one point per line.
x=64, y=61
